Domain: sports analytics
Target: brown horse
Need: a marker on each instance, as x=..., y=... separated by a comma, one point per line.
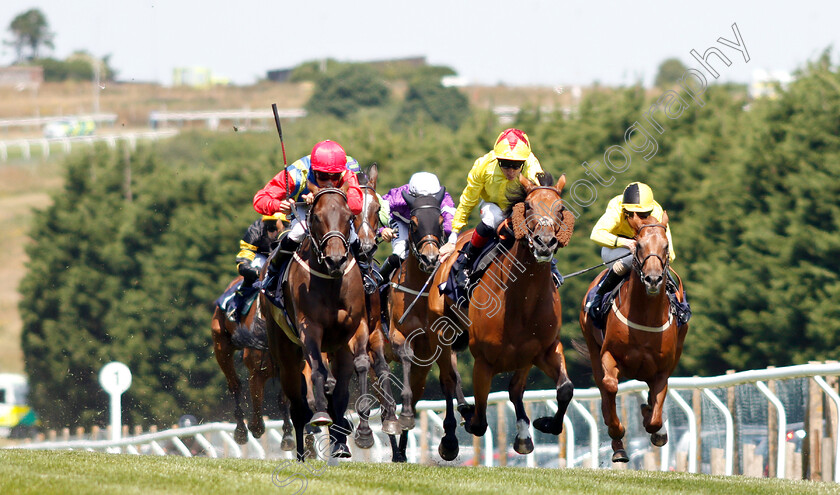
x=514, y=313
x=366, y=224
x=249, y=335
x=325, y=295
x=417, y=341
x=642, y=338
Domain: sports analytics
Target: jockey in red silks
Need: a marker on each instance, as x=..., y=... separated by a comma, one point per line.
x=327, y=166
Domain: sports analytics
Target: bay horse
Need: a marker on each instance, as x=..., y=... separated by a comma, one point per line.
x=417, y=341
x=248, y=334
x=642, y=339
x=514, y=313
x=326, y=300
x=379, y=350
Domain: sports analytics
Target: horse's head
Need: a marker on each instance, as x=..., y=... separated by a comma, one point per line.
x=329, y=226
x=367, y=221
x=651, y=258
x=425, y=230
x=540, y=216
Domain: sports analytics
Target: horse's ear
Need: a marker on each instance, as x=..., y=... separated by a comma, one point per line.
x=664, y=218
x=409, y=199
x=440, y=195
x=313, y=187
x=373, y=173
x=526, y=183
x=517, y=221
x=561, y=183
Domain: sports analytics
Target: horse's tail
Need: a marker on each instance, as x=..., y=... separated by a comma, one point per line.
x=581, y=347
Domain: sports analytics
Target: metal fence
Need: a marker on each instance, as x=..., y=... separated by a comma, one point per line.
x=28, y=148
x=777, y=422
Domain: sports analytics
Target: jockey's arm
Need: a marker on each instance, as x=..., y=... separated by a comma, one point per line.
x=469, y=198
x=602, y=232
x=354, y=194
x=384, y=210
x=271, y=198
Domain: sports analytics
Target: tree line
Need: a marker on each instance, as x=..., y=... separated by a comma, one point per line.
x=126, y=262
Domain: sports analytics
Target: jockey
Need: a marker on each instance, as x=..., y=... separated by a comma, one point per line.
x=254, y=247
x=421, y=184
x=615, y=236
x=327, y=166
x=491, y=178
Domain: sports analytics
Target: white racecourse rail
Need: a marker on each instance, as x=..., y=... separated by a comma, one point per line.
x=44, y=145
x=584, y=435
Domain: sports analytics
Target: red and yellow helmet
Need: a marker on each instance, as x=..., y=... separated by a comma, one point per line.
x=512, y=144
x=328, y=157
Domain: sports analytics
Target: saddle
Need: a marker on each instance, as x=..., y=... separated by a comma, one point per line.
x=236, y=303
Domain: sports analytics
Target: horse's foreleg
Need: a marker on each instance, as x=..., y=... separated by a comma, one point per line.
x=358, y=346
x=344, y=363
x=448, y=448
x=259, y=371
x=223, y=350
x=608, y=385
x=382, y=385
x=401, y=348
x=311, y=337
x=288, y=442
x=553, y=364
x=482, y=375
x=522, y=444
x=652, y=411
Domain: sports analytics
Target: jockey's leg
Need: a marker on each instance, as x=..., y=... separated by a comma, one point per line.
x=491, y=217
x=617, y=272
x=399, y=249
x=289, y=242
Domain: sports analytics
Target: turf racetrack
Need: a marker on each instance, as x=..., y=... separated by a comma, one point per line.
x=40, y=472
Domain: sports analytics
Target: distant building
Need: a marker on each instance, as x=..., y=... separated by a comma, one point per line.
x=764, y=83
x=21, y=76
x=197, y=77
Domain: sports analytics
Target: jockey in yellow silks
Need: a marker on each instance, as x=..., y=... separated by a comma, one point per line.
x=491, y=178
x=615, y=235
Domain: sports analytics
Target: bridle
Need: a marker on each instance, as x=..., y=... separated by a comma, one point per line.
x=639, y=263
x=363, y=215
x=417, y=245
x=543, y=221
x=318, y=246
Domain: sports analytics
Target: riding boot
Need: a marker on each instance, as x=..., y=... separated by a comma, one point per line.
x=555, y=274
x=463, y=265
x=390, y=264
x=285, y=249
x=608, y=283
x=368, y=271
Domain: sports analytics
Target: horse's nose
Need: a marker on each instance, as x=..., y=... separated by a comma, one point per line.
x=428, y=260
x=335, y=263
x=653, y=280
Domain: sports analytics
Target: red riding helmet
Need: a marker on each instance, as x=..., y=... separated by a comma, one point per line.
x=328, y=157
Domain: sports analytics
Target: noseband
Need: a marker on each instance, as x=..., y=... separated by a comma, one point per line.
x=363, y=214
x=318, y=246
x=638, y=263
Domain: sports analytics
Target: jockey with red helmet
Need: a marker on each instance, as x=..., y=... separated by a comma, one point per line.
x=327, y=166
x=490, y=179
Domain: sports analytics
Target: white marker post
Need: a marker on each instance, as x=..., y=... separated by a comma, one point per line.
x=115, y=378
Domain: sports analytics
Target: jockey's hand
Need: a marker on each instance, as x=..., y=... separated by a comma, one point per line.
x=308, y=198
x=630, y=244
x=387, y=234
x=446, y=250
x=286, y=206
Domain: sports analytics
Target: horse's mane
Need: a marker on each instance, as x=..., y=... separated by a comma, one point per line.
x=516, y=194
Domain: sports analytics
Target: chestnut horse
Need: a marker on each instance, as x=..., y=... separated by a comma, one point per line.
x=418, y=341
x=325, y=296
x=514, y=313
x=366, y=224
x=249, y=335
x=642, y=339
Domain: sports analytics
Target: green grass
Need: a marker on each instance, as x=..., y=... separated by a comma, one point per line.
x=86, y=472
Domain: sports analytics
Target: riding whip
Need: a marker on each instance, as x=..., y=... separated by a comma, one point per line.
x=419, y=294
x=575, y=274
x=283, y=147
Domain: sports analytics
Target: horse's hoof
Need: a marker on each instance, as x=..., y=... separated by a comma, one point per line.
x=240, y=434
x=523, y=445
x=391, y=427
x=620, y=456
x=288, y=443
x=448, y=448
x=310, y=429
x=548, y=425
x=466, y=411
x=321, y=419
x=363, y=438
x=659, y=439
x=398, y=457
x=257, y=430
x=340, y=451
x=407, y=422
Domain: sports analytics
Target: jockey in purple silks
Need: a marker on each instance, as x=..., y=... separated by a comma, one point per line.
x=421, y=184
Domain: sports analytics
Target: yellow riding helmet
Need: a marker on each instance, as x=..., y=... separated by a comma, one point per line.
x=512, y=144
x=637, y=197
x=275, y=217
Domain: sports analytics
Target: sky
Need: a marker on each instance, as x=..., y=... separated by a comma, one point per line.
x=527, y=42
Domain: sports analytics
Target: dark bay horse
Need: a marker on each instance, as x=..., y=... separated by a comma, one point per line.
x=248, y=335
x=642, y=340
x=514, y=312
x=326, y=299
x=366, y=224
